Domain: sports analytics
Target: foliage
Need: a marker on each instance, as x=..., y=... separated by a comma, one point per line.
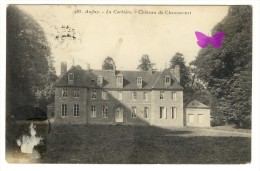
x=228, y=69
x=178, y=59
x=30, y=71
x=145, y=63
x=187, y=79
x=109, y=64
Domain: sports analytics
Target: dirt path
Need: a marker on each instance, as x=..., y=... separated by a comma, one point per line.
x=212, y=132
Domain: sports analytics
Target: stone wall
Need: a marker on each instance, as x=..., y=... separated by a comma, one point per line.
x=167, y=102
x=70, y=101
x=113, y=102
x=197, y=117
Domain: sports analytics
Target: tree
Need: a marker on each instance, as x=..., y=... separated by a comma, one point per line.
x=228, y=69
x=178, y=59
x=145, y=63
x=109, y=64
x=29, y=65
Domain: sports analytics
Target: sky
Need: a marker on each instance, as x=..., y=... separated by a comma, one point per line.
x=124, y=32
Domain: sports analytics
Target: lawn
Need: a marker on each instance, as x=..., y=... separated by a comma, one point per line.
x=112, y=144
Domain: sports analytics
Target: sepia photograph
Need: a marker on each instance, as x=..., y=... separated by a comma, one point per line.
x=128, y=84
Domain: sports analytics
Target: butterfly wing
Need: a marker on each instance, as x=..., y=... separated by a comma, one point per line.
x=216, y=39
x=203, y=40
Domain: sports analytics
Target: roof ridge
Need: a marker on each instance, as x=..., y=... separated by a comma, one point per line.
x=120, y=70
x=198, y=103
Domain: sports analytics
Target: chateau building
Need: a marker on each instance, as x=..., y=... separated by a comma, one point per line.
x=120, y=97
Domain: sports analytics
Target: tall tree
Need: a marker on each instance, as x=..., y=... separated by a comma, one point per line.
x=145, y=63
x=228, y=69
x=178, y=59
x=30, y=72
x=109, y=64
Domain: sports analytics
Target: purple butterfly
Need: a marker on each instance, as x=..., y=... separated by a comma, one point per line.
x=215, y=40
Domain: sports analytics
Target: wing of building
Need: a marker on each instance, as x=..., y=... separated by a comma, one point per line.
x=119, y=97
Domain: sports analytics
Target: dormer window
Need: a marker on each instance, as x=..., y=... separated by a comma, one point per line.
x=167, y=80
x=119, y=81
x=139, y=82
x=92, y=82
x=100, y=81
x=70, y=78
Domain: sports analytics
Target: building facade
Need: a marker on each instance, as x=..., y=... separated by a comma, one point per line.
x=119, y=97
x=197, y=114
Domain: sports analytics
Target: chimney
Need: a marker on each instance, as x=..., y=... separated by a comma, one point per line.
x=150, y=69
x=88, y=66
x=63, y=68
x=172, y=71
x=114, y=68
x=177, y=72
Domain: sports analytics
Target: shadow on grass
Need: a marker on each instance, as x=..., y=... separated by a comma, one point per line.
x=141, y=144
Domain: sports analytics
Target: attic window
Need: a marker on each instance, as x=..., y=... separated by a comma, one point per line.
x=100, y=80
x=70, y=78
x=139, y=82
x=167, y=80
x=119, y=81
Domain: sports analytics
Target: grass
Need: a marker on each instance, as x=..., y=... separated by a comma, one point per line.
x=112, y=144
x=141, y=144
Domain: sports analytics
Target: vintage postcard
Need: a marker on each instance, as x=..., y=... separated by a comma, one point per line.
x=128, y=84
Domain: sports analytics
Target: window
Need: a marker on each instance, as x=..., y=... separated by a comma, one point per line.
x=163, y=113
x=173, y=112
x=120, y=95
x=93, y=94
x=64, y=92
x=167, y=80
x=134, y=95
x=100, y=80
x=63, y=110
x=174, y=96
x=105, y=112
x=93, y=112
x=139, y=82
x=161, y=95
x=146, y=112
x=191, y=118
x=76, y=93
x=145, y=96
x=104, y=95
x=134, y=112
x=119, y=80
x=71, y=76
x=76, y=110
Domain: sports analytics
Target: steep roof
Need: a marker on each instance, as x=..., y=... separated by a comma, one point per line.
x=197, y=104
x=160, y=81
x=78, y=81
x=88, y=78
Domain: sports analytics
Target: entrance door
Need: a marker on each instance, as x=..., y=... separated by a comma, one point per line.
x=119, y=115
x=200, y=118
x=190, y=118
